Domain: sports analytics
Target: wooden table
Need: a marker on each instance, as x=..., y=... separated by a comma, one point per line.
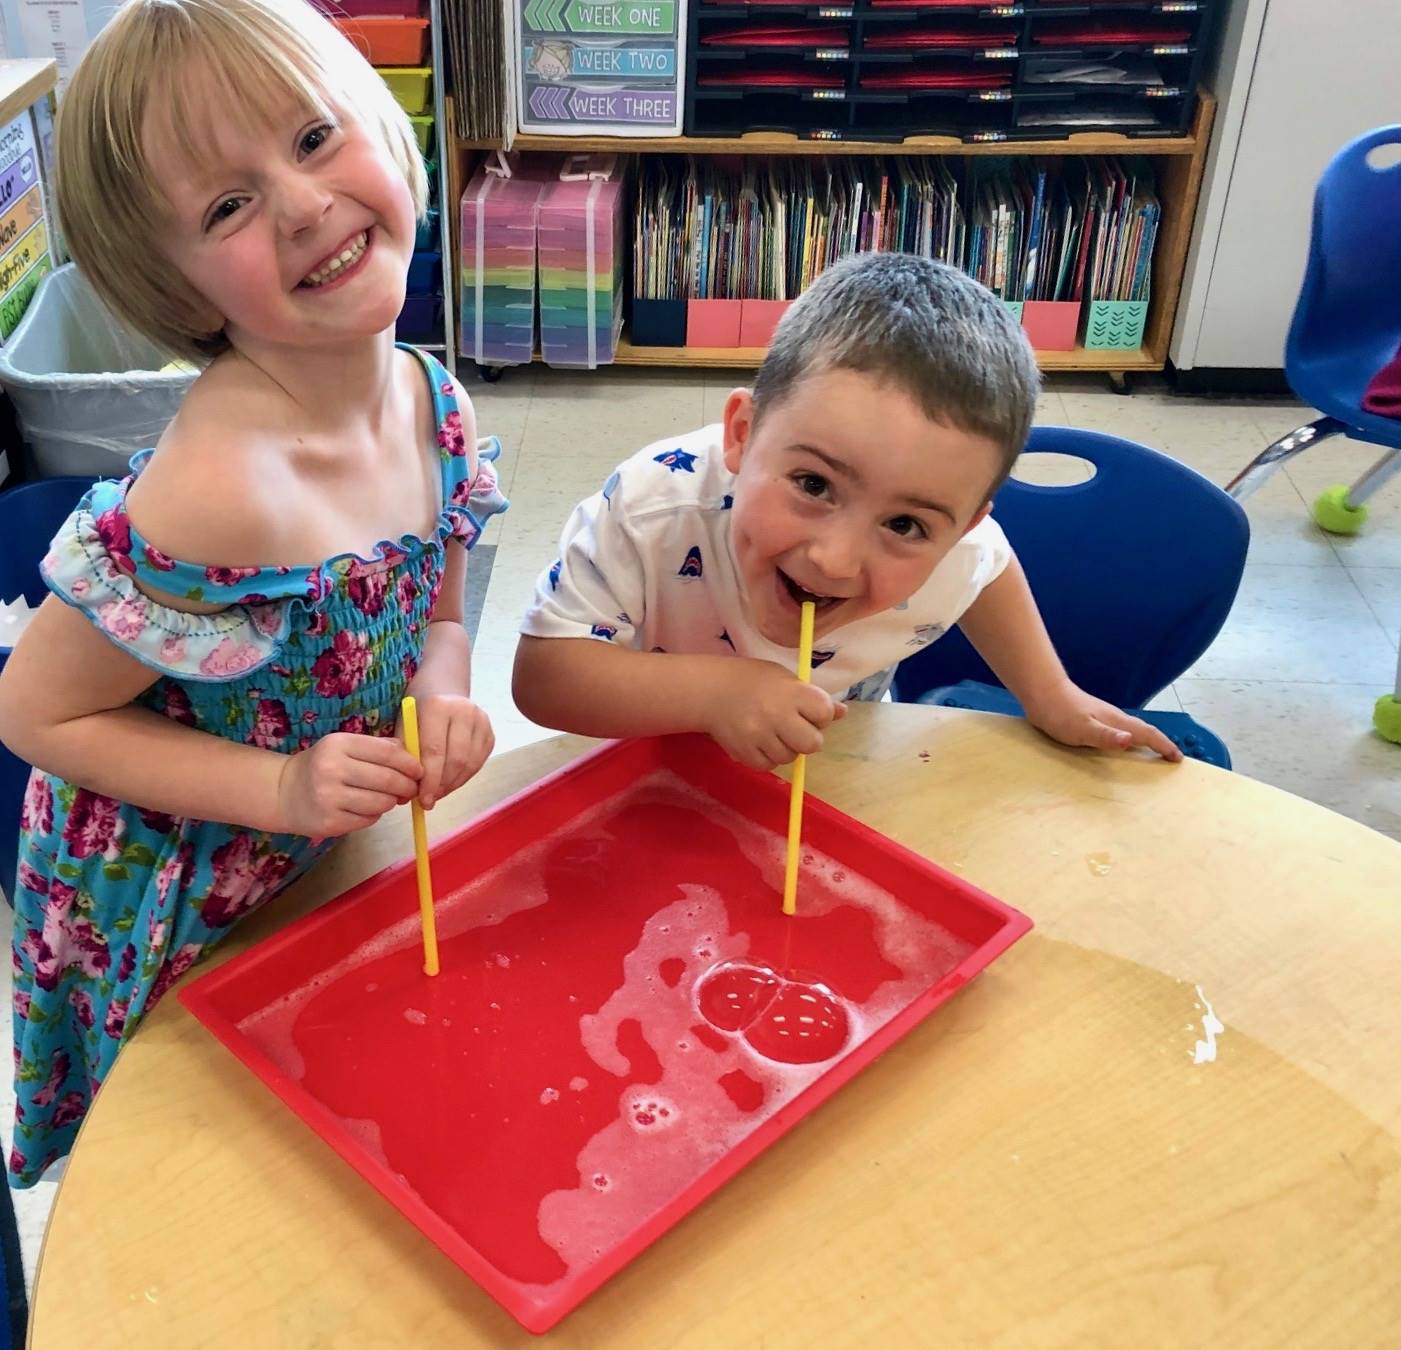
x=1040, y=1164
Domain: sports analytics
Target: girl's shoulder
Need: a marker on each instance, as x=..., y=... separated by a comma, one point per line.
x=197, y=493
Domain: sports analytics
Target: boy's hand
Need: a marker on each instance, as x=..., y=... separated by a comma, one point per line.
x=1073, y=717
x=343, y=783
x=454, y=739
x=763, y=715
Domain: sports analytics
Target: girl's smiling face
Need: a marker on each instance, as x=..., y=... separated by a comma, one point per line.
x=296, y=229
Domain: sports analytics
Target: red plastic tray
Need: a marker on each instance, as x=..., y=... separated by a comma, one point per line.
x=624, y=1017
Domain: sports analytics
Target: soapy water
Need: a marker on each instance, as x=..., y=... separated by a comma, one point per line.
x=660, y=985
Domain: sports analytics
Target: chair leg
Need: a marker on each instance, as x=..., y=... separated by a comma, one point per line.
x=1262, y=467
x=1377, y=477
x=1386, y=716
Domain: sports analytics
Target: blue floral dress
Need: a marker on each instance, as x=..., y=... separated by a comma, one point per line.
x=113, y=903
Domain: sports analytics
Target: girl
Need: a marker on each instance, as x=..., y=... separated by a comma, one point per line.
x=210, y=693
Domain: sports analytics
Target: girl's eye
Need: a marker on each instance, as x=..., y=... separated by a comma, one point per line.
x=813, y=484
x=907, y=527
x=315, y=139
x=224, y=210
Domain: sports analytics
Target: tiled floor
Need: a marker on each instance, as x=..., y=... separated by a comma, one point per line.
x=1289, y=684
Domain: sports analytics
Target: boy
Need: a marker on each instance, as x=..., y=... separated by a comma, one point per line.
x=858, y=474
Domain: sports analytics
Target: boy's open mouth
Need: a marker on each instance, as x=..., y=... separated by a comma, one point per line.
x=801, y=595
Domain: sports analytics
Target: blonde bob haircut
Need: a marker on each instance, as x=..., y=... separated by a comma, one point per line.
x=186, y=63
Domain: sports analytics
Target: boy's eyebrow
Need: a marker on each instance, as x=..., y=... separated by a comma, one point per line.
x=920, y=503
x=836, y=465
x=847, y=471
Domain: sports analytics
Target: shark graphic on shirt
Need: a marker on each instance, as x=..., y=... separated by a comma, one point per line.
x=678, y=460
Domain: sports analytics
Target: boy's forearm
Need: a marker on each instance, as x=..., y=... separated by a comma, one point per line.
x=1007, y=631
x=143, y=758
x=594, y=689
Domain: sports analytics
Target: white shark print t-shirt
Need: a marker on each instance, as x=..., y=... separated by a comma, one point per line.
x=647, y=563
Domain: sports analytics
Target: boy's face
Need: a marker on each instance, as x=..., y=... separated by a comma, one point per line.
x=846, y=495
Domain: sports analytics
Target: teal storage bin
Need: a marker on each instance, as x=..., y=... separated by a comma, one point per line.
x=1115, y=325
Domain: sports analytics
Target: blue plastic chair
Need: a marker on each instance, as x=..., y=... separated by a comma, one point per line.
x=29, y=519
x=1346, y=327
x=1134, y=571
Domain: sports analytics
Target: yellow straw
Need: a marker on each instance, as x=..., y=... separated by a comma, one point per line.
x=800, y=770
x=408, y=718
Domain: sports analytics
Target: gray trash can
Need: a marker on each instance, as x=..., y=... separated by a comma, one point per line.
x=89, y=392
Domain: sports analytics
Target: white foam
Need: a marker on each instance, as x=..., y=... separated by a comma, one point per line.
x=646, y=1162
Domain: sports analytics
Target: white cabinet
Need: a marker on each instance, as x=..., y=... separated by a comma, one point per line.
x=1297, y=79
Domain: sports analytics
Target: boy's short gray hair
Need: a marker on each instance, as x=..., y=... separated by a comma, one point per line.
x=927, y=328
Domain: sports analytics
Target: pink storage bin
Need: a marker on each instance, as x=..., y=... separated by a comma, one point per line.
x=758, y=319
x=713, y=323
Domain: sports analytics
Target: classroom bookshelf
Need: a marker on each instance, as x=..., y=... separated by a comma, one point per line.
x=1178, y=162
x=404, y=40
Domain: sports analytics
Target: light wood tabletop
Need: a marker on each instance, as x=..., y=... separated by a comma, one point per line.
x=1055, y=1158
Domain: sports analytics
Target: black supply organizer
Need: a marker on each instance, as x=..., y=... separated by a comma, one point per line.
x=873, y=70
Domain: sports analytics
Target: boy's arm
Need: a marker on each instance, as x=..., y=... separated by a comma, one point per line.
x=578, y=667
x=1006, y=628
x=756, y=710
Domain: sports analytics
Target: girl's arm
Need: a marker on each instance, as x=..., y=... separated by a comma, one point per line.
x=455, y=736
x=66, y=706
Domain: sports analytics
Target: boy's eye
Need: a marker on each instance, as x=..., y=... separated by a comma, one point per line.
x=315, y=139
x=907, y=527
x=813, y=484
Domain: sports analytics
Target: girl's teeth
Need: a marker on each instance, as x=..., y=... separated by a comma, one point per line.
x=343, y=259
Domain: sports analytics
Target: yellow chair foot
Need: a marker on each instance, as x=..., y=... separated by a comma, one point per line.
x=1332, y=513
x=1386, y=717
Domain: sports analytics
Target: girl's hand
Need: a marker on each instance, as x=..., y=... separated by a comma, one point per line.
x=454, y=738
x=1073, y=717
x=763, y=715
x=343, y=783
